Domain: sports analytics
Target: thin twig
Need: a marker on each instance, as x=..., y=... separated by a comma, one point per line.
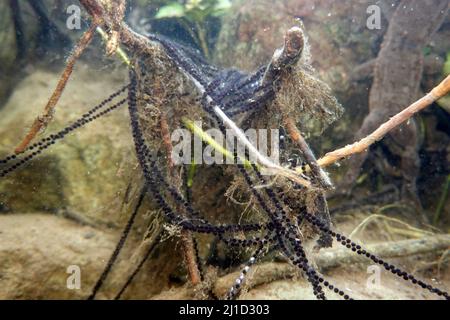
x=363, y=145
x=42, y=121
x=190, y=257
x=94, y=8
x=296, y=136
x=165, y=132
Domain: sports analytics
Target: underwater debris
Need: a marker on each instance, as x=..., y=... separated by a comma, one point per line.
x=281, y=227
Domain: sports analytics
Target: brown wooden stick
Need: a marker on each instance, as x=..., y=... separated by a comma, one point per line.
x=360, y=146
x=296, y=136
x=94, y=8
x=165, y=132
x=190, y=257
x=42, y=121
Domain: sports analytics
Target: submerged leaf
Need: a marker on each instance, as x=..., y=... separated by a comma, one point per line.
x=222, y=5
x=173, y=10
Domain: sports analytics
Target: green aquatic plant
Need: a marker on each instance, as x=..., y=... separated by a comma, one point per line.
x=447, y=65
x=193, y=16
x=445, y=101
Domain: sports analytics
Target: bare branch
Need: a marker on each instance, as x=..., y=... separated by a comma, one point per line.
x=42, y=121
x=361, y=146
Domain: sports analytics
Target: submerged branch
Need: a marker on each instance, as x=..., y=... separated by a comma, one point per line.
x=42, y=121
x=282, y=60
x=136, y=41
x=361, y=146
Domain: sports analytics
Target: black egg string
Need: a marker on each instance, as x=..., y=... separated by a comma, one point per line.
x=233, y=83
x=281, y=231
x=276, y=217
x=183, y=61
x=154, y=178
x=312, y=274
x=53, y=138
x=287, y=231
x=237, y=93
x=349, y=244
x=254, y=80
x=196, y=57
x=300, y=260
x=118, y=247
x=138, y=268
x=226, y=85
x=253, y=106
x=156, y=182
x=214, y=85
x=243, y=243
x=229, y=100
x=84, y=116
x=241, y=100
x=150, y=184
x=43, y=144
x=239, y=282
